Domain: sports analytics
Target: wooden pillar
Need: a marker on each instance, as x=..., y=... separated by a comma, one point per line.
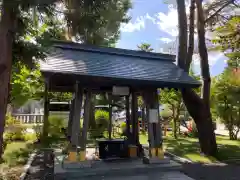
x=134, y=115
x=70, y=120
x=75, y=134
x=154, y=126
x=87, y=107
x=110, y=116
x=127, y=116
x=92, y=122
x=46, y=111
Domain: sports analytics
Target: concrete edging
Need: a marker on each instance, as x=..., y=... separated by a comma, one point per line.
x=28, y=165
x=177, y=158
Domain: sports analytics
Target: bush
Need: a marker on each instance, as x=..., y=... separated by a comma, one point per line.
x=102, y=122
x=123, y=126
x=102, y=119
x=30, y=137
x=56, y=123
x=11, y=121
x=38, y=130
x=16, y=133
x=14, y=130
x=16, y=153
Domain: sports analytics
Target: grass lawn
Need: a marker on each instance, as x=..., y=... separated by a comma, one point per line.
x=15, y=156
x=229, y=151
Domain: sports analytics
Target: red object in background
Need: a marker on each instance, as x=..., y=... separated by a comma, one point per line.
x=190, y=127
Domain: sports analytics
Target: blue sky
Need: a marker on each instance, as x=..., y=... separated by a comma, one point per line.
x=155, y=22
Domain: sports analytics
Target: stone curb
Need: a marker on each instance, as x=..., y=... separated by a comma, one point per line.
x=177, y=158
x=28, y=165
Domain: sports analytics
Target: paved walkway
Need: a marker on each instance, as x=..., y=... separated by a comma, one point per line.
x=152, y=176
x=42, y=166
x=43, y=169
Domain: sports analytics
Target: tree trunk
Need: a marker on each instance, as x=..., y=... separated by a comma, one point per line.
x=175, y=128
x=202, y=118
x=205, y=73
x=182, y=43
x=199, y=109
x=174, y=123
x=190, y=36
x=6, y=39
x=231, y=134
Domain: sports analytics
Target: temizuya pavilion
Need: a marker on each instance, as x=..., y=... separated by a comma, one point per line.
x=85, y=69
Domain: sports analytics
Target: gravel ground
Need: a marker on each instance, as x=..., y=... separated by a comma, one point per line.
x=42, y=167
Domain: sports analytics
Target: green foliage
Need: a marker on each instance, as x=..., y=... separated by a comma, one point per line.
x=226, y=100
x=228, y=40
x=166, y=112
x=30, y=137
x=37, y=129
x=102, y=119
x=171, y=97
x=96, y=22
x=102, y=122
x=145, y=47
x=14, y=130
x=10, y=121
x=56, y=123
x=123, y=126
x=25, y=84
x=16, y=153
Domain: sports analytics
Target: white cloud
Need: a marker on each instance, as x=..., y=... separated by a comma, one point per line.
x=150, y=18
x=135, y=26
x=168, y=22
x=213, y=57
x=138, y=25
x=165, y=39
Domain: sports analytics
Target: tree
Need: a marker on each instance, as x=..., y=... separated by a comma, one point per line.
x=95, y=22
x=15, y=22
x=173, y=99
x=198, y=107
x=226, y=88
x=218, y=12
x=227, y=40
x=227, y=101
x=145, y=47
x=25, y=84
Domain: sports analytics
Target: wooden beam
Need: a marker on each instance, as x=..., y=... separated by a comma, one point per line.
x=77, y=115
x=110, y=116
x=71, y=116
x=86, y=118
x=134, y=115
x=154, y=128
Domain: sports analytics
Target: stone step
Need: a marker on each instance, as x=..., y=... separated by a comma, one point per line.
x=109, y=169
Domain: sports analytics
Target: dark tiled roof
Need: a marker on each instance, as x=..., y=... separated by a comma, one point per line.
x=72, y=58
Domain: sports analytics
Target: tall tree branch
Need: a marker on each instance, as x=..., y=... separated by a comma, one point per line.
x=182, y=45
x=219, y=10
x=190, y=36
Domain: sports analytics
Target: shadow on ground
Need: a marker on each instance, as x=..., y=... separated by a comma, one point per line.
x=199, y=171
x=42, y=167
x=185, y=148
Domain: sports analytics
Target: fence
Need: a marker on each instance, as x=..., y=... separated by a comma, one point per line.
x=29, y=118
